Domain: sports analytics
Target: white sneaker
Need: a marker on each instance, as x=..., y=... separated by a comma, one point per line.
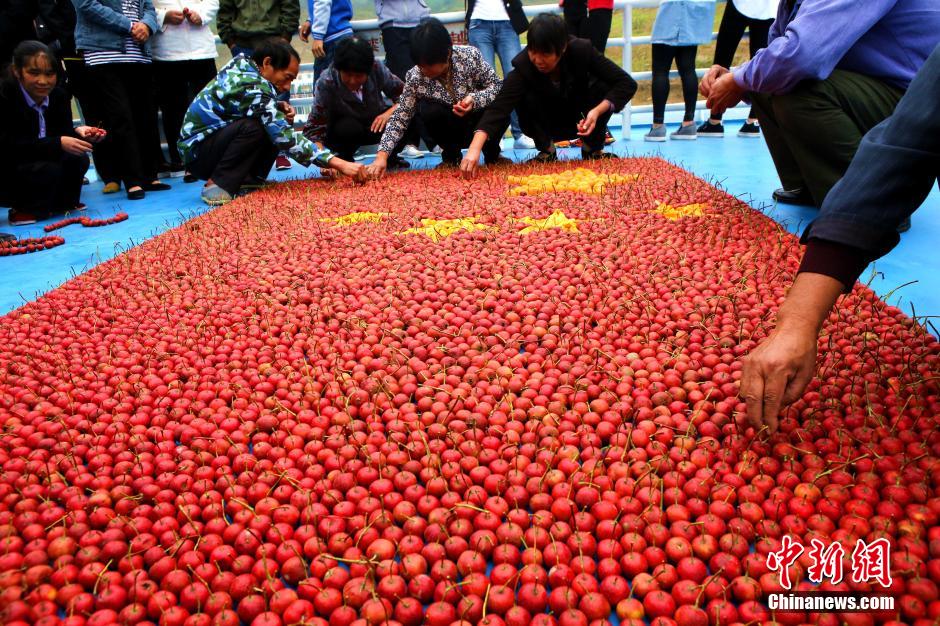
x=411, y=152
x=524, y=142
x=437, y=150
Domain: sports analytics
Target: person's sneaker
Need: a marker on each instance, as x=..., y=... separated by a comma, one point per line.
x=437, y=150
x=657, y=133
x=498, y=160
x=81, y=206
x=800, y=196
x=905, y=225
x=411, y=152
x=213, y=195
x=685, y=133
x=255, y=182
x=164, y=170
x=20, y=218
x=544, y=157
x=177, y=170
x=707, y=129
x=189, y=177
x=282, y=163
x=397, y=163
x=749, y=130
x=85, y=181
x=111, y=188
x=608, y=138
x=597, y=155
x=524, y=142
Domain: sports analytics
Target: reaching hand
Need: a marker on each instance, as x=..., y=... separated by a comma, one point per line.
x=464, y=106
x=587, y=125
x=74, y=145
x=708, y=80
x=288, y=111
x=317, y=48
x=776, y=373
x=470, y=165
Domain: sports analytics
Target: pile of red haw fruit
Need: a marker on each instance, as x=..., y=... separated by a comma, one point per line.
x=263, y=418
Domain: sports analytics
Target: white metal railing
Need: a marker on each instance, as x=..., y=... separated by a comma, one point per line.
x=454, y=20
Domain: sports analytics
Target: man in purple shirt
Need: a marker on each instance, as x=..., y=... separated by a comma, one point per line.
x=833, y=69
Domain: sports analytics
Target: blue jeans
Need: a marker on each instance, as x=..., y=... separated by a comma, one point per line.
x=494, y=38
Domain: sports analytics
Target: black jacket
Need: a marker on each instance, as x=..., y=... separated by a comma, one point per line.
x=581, y=66
x=520, y=23
x=19, y=132
x=16, y=25
x=55, y=26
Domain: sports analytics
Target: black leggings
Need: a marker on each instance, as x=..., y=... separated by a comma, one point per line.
x=685, y=62
x=733, y=25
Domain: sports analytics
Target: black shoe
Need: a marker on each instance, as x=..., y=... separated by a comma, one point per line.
x=597, y=155
x=450, y=159
x=156, y=187
x=189, y=177
x=497, y=160
x=793, y=196
x=85, y=180
x=716, y=131
x=544, y=157
x=749, y=130
x=138, y=194
x=397, y=163
x=255, y=182
x=905, y=225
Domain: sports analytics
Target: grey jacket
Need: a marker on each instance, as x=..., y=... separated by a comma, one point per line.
x=401, y=13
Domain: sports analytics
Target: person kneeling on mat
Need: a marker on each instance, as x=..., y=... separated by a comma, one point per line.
x=352, y=102
x=560, y=86
x=235, y=127
x=44, y=158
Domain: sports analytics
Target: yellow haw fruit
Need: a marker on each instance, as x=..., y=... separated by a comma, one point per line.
x=580, y=180
x=354, y=218
x=674, y=213
x=438, y=229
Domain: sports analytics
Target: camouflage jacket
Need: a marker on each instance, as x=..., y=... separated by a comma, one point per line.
x=240, y=91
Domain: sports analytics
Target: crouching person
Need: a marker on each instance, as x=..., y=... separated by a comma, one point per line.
x=235, y=127
x=561, y=87
x=353, y=101
x=44, y=158
x=448, y=89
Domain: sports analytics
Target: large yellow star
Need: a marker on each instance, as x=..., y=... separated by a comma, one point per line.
x=556, y=220
x=580, y=180
x=438, y=229
x=354, y=218
x=674, y=213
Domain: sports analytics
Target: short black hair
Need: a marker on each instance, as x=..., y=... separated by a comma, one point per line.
x=547, y=34
x=354, y=54
x=278, y=50
x=26, y=50
x=430, y=43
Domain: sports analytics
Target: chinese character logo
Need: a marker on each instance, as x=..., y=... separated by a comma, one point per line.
x=826, y=561
x=871, y=562
x=783, y=558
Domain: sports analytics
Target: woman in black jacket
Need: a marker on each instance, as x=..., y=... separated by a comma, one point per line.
x=561, y=87
x=44, y=159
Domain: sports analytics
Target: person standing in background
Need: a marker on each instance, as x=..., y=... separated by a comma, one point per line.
x=680, y=26
x=16, y=25
x=398, y=19
x=493, y=28
x=184, y=55
x=756, y=16
x=328, y=24
x=114, y=36
x=243, y=25
x=589, y=19
x=55, y=27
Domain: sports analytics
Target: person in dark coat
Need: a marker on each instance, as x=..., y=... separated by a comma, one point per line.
x=16, y=25
x=352, y=102
x=561, y=86
x=44, y=158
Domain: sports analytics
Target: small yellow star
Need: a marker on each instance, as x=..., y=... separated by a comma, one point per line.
x=438, y=229
x=673, y=213
x=556, y=220
x=354, y=218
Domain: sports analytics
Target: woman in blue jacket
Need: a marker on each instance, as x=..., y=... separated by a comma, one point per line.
x=113, y=37
x=681, y=25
